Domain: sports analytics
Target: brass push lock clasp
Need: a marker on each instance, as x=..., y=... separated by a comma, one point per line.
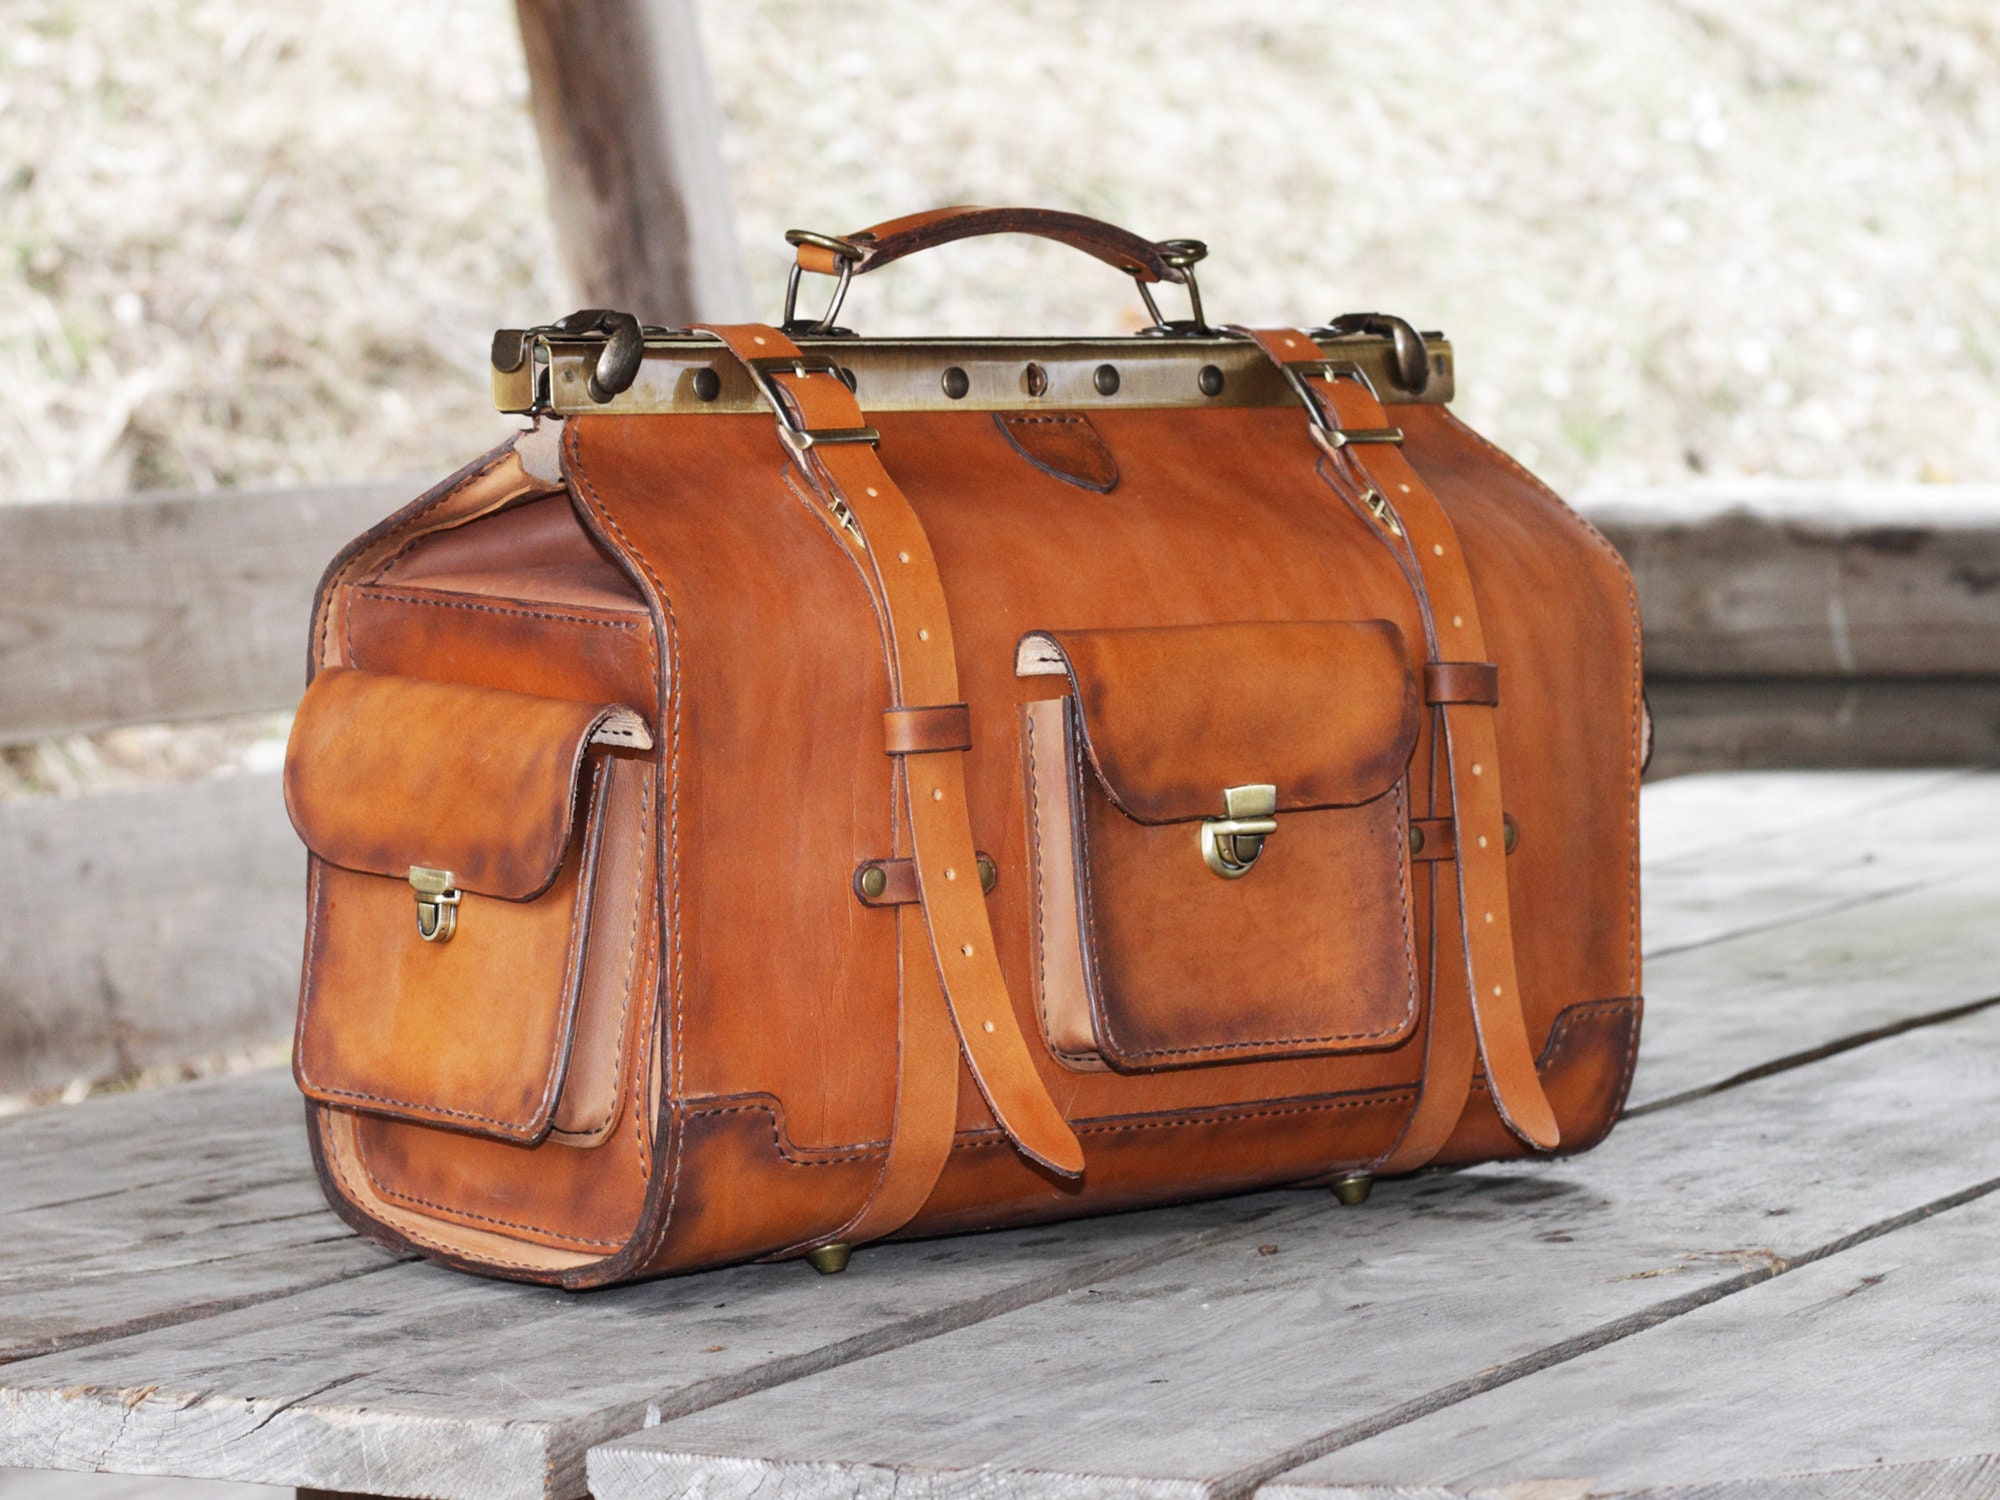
x=437, y=903
x=1230, y=845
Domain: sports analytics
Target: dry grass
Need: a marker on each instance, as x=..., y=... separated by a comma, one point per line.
x=259, y=240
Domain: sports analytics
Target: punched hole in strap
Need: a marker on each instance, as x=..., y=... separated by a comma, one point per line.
x=921, y=731
x=1462, y=682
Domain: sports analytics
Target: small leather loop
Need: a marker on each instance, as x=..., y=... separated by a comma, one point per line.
x=1433, y=839
x=1462, y=682
x=896, y=238
x=921, y=731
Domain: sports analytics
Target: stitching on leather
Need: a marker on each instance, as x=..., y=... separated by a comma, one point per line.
x=1592, y=534
x=398, y=1196
x=670, y=873
x=785, y=1148
x=631, y=953
x=376, y=591
x=1213, y=1048
x=1013, y=419
x=974, y=1140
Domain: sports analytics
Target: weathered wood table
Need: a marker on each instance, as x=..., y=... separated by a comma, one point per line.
x=1780, y=1276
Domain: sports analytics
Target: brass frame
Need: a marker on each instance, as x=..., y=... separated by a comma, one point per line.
x=895, y=375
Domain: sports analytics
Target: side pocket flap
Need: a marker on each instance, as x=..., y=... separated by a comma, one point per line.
x=1327, y=712
x=387, y=772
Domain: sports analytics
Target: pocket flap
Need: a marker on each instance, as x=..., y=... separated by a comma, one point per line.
x=1171, y=715
x=387, y=772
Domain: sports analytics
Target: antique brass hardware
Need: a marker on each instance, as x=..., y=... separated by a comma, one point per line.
x=1510, y=832
x=823, y=327
x=989, y=873
x=1411, y=364
x=1210, y=380
x=1182, y=256
x=707, y=384
x=1105, y=378
x=829, y=1260
x=1416, y=839
x=874, y=881
x=1353, y=1189
x=437, y=903
x=955, y=383
x=1035, y=380
x=1230, y=845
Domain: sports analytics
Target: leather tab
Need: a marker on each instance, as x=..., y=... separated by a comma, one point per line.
x=1462, y=682
x=1433, y=839
x=1062, y=444
x=898, y=882
x=922, y=731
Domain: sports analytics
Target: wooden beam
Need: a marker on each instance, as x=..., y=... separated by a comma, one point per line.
x=1764, y=580
x=146, y=927
x=161, y=608
x=631, y=140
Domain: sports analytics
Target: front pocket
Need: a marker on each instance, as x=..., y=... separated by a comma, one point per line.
x=453, y=997
x=1219, y=834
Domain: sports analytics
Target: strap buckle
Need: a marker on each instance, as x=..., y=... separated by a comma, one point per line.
x=798, y=438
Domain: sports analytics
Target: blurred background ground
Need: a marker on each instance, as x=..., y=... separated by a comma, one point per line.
x=265, y=241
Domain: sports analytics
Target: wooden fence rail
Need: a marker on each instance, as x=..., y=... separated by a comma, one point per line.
x=1830, y=625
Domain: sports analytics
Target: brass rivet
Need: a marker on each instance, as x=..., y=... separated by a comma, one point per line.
x=829, y=1260
x=874, y=881
x=1035, y=380
x=1510, y=832
x=989, y=873
x=956, y=383
x=1353, y=1189
x=1416, y=841
x=707, y=384
x=1210, y=380
x=1105, y=378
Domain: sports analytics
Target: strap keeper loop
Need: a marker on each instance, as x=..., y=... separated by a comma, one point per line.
x=922, y=731
x=1462, y=682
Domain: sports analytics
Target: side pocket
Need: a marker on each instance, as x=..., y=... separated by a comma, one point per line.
x=459, y=840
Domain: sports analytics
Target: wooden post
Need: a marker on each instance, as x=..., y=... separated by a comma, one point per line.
x=631, y=141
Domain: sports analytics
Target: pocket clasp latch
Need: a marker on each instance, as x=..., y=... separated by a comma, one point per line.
x=1231, y=844
x=437, y=903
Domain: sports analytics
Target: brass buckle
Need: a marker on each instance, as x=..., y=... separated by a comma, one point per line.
x=437, y=903
x=847, y=252
x=1230, y=845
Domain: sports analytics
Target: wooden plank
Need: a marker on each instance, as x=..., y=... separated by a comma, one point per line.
x=1691, y=815
x=422, y=1381
x=631, y=140
x=1868, y=1373
x=1198, y=1375
x=31, y=1484
x=1833, y=853
x=156, y=1209
x=1812, y=580
x=145, y=927
x=1712, y=724
x=164, y=608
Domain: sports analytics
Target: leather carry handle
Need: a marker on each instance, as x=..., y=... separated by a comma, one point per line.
x=864, y=250
x=1147, y=262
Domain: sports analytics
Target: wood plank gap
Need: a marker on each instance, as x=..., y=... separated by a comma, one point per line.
x=1811, y=913
x=1815, y=1054
x=944, y=1320
x=1245, y=1482
x=177, y=1316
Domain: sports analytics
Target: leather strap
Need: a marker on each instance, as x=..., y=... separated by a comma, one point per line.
x=955, y=969
x=893, y=239
x=1365, y=464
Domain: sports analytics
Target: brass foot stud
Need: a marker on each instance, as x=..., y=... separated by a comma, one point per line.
x=829, y=1259
x=1354, y=1188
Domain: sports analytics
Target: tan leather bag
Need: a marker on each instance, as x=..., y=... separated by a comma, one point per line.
x=813, y=788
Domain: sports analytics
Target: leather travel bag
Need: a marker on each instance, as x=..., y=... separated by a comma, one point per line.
x=811, y=788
